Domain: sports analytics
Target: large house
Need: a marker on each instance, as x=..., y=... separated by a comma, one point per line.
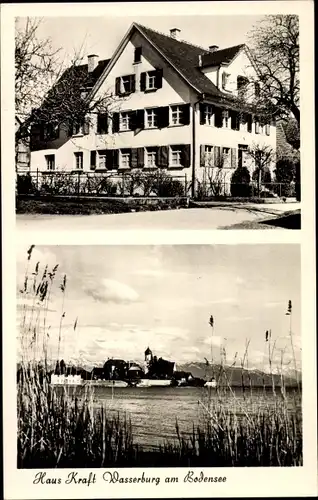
x=177, y=108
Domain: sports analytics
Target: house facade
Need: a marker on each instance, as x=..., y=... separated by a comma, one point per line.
x=175, y=108
x=22, y=152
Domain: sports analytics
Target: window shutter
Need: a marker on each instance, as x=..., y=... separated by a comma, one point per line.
x=238, y=121
x=249, y=123
x=115, y=122
x=256, y=126
x=133, y=158
x=218, y=118
x=185, y=155
x=233, y=157
x=233, y=120
x=140, y=157
x=115, y=158
x=133, y=120
x=202, y=117
x=159, y=73
x=132, y=83
x=202, y=155
x=267, y=129
x=93, y=160
x=140, y=118
x=117, y=85
x=109, y=158
x=163, y=157
x=143, y=82
x=223, y=80
x=185, y=115
x=163, y=117
x=217, y=156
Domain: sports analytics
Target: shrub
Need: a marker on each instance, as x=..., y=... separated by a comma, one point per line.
x=284, y=175
x=240, y=182
x=25, y=184
x=170, y=187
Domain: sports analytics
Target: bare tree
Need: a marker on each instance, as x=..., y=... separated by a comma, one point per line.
x=274, y=45
x=262, y=155
x=48, y=92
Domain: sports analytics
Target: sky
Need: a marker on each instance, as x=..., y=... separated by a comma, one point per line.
x=126, y=298
x=102, y=35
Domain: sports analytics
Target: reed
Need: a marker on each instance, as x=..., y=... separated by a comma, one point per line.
x=63, y=428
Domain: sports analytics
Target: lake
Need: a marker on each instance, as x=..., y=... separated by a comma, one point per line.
x=153, y=411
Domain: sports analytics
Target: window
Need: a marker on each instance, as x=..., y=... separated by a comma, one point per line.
x=102, y=159
x=137, y=55
x=225, y=119
x=226, y=157
x=175, y=156
x=151, y=154
x=151, y=118
x=225, y=79
x=124, y=121
x=78, y=160
x=151, y=80
x=208, y=156
x=208, y=115
x=175, y=115
x=50, y=162
x=125, y=85
x=124, y=159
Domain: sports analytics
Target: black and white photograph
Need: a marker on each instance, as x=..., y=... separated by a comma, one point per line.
x=157, y=342
x=159, y=356
x=157, y=122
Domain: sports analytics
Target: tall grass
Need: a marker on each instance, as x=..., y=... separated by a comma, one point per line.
x=63, y=428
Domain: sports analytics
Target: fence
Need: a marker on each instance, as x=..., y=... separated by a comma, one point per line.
x=105, y=184
x=138, y=183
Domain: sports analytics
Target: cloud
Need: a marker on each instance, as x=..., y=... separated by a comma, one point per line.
x=108, y=290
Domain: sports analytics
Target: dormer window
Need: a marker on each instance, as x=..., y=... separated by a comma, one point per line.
x=137, y=55
x=225, y=80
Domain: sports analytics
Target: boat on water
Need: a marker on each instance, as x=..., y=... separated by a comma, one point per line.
x=211, y=383
x=107, y=383
x=147, y=382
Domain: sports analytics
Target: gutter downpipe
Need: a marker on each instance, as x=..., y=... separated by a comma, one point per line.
x=194, y=143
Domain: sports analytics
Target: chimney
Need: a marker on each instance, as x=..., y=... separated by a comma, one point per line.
x=213, y=48
x=174, y=33
x=92, y=61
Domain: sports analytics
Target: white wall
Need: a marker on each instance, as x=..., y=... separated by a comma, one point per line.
x=240, y=66
x=173, y=91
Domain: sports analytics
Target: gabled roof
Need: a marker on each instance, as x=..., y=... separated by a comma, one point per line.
x=82, y=70
x=223, y=56
x=184, y=57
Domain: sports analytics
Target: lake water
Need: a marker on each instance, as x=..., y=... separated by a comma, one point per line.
x=153, y=411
